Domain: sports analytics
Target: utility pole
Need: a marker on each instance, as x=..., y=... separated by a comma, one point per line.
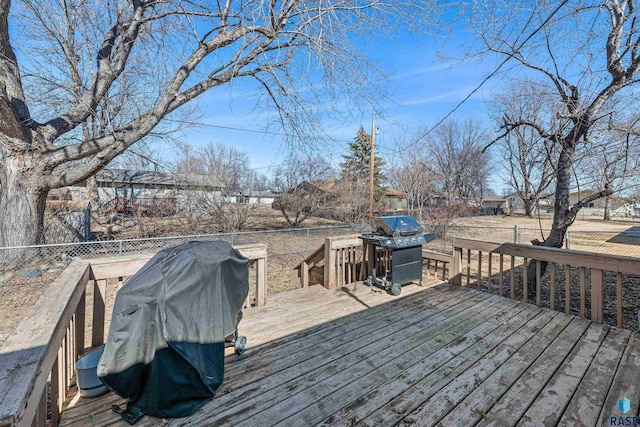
x=371, y=168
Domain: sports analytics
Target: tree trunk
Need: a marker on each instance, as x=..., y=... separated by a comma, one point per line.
x=92, y=194
x=607, y=208
x=561, y=214
x=21, y=211
x=528, y=207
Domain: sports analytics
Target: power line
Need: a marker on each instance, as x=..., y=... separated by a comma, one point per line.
x=485, y=80
x=262, y=132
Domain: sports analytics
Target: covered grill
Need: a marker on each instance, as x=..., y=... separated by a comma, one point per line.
x=402, y=236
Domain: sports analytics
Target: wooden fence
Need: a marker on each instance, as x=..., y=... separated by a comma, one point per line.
x=37, y=362
x=521, y=256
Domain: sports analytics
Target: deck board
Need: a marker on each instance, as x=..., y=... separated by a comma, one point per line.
x=447, y=355
x=625, y=384
x=506, y=396
x=554, y=398
x=506, y=357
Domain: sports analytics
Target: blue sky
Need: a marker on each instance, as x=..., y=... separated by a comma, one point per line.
x=424, y=88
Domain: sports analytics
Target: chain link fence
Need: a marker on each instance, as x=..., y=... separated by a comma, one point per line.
x=612, y=242
x=288, y=247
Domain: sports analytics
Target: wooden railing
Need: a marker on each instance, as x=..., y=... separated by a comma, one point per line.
x=339, y=261
x=438, y=260
x=521, y=256
x=341, y=257
x=37, y=362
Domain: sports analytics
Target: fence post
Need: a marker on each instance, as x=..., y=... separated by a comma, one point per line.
x=307, y=245
x=120, y=248
x=566, y=241
x=515, y=233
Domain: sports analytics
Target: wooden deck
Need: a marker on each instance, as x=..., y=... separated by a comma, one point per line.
x=440, y=355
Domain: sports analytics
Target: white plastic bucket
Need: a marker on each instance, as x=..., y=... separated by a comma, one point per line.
x=89, y=384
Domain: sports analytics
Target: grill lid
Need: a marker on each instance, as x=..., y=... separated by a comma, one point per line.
x=394, y=226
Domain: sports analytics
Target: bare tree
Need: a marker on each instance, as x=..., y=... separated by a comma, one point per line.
x=587, y=52
x=351, y=203
x=527, y=157
x=611, y=159
x=411, y=173
x=458, y=161
x=300, y=185
x=166, y=53
x=231, y=169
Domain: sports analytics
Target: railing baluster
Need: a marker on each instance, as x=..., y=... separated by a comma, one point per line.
x=552, y=286
x=40, y=420
x=346, y=266
x=567, y=288
x=468, y=266
x=538, y=291
x=525, y=291
x=501, y=282
x=54, y=392
x=582, y=292
x=619, y=299
x=489, y=280
x=479, y=284
x=512, y=284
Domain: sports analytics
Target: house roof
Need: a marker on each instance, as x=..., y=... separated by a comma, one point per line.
x=130, y=176
x=582, y=193
x=394, y=192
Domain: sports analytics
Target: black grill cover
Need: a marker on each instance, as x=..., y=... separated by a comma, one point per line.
x=165, y=347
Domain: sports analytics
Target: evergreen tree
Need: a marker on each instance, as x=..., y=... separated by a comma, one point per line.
x=356, y=163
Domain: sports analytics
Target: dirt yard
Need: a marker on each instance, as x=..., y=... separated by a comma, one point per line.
x=287, y=249
x=583, y=223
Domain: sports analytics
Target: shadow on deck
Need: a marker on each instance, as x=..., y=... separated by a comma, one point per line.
x=441, y=354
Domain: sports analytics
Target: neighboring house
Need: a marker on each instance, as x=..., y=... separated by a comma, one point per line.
x=619, y=206
x=495, y=205
x=576, y=196
x=394, y=200
x=265, y=197
x=120, y=189
x=516, y=204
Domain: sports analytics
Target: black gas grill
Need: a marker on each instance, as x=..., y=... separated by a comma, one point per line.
x=394, y=252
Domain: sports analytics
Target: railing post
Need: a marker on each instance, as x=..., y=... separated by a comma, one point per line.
x=261, y=282
x=597, y=295
x=304, y=274
x=329, y=265
x=455, y=268
x=99, y=298
x=307, y=244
